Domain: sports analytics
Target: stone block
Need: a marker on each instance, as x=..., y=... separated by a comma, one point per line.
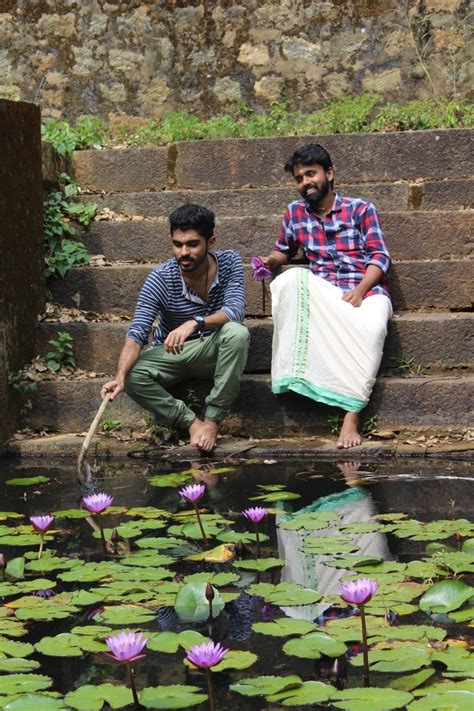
x=121, y=169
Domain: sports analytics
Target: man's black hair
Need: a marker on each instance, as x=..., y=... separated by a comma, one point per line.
x=309, y=154
x=193, y=217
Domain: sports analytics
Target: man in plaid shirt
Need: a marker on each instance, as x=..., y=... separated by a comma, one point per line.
x=343, y=242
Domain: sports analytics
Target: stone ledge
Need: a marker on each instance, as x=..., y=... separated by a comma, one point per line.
x=69, y=406
x=431, y=339
x=414, y=285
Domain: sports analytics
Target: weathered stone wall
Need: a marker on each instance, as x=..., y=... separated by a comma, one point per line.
x=22, y=291
x=145, y=57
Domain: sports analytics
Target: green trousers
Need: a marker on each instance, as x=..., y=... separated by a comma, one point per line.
x=220, y=356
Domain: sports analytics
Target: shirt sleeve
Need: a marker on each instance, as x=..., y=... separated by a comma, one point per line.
x=233, y=303
x=150, y=303
x=376, y=250
x=286, y=242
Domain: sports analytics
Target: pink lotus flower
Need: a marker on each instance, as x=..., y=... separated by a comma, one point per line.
x=358, y=592
x=41, y=523
x=125, y=646
x=97, y=503
x=206, y=655
x=260, y=271
x=255, y=513
x=193, y=492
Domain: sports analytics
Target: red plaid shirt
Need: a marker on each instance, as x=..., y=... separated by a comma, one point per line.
x=339, y=246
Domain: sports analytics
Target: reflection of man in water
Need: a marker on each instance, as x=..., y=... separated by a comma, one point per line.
x=353, y=505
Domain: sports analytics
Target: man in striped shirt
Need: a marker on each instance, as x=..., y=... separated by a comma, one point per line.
x=198, y=297
x=330, y=322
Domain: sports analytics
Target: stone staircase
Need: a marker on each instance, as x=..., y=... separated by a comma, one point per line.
x=420, y=182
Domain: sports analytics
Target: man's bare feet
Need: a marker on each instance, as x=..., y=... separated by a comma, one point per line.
x=350, y=469
x=349, y=435
x=206, y=437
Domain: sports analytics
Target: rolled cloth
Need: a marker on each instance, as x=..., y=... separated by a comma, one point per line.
x=323, y=347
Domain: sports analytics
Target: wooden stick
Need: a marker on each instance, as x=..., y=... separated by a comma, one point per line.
x=90, y=434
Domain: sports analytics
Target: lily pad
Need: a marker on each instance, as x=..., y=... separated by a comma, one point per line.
x=169, y=642
x=398, y=659
x=313, y=645
x=284, y=627
x=372, y=699
x=445, y=596
x=92, y=698
x=34, y=702
x=173, y=696
x=260, y=565
x=125, y=615
x=411, y=681
x=285, y=594
x=264, y=685
x=18, y=665
x=191, y=603
x=310, y=692
x=236, y=659
x=449, y=700
x=217, y=579
x=27, y=480
x=23, y=683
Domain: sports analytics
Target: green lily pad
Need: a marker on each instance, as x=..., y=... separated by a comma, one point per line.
x=411, y=681
x=372, y=699
x=329, y=545
x=18, y=665
x=62, y=645
x=15, y=569
x=169, y=642
x=445, y=596
x=27, y=481
x=92, y=698
x=398, y=659
x=285, y=594
x=260, y=565
x=236, y=659
x=173, y=696
x=148, y=512
x=449, y=700
x=15, y=649
x=34, y=702
x=263, y=685
x=310, y=692
x=125, y=615
x=284, y=627
x=192, y=605
x=217, y=579
x=276, y=496
x=23, y=683
x=310, y=522
x=160, y=542
x=312, y=645
x=170, y=480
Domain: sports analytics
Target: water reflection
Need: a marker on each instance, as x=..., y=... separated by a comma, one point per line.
x=355, y=504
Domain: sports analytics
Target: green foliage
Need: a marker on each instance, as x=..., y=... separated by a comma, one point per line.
x=335, y=424
x=407, y=366
x=61, y=354
x=63, y=252
x=19, y=381
x=366, y=113
x=89, y=132
x=110, y=425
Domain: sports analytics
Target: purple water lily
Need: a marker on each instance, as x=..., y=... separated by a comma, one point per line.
x=359, y=592
x=44, y=594
x=255, y=513
x=259, y=269
x=97, y=503
x=41, y=523
x=207, y=654
x=127, y=647
x=193, y=492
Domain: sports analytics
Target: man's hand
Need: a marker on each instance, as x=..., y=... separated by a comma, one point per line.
x=274, y=260
x=114, y=387
x=354, y=296
x=175, y=340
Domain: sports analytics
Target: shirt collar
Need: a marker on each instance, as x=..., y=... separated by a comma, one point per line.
x=336, y=205
x=188, y=293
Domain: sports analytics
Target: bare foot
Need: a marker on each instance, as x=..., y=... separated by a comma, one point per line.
x=206, y=437
x=349, y=435
x=194, y=431
x=350, y=469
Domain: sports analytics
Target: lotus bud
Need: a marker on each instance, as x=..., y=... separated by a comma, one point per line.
x=209, y=592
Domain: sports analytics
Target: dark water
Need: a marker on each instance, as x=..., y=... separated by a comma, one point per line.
x=425, y=491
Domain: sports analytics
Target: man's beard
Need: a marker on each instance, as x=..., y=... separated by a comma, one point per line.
x=192, y=265
x=314, y=199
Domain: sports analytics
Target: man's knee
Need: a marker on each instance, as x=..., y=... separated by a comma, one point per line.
x=235, y=333
x=136, y=378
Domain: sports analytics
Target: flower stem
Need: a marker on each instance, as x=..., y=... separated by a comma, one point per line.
x=365, y=650
x=257, y=537
x=209, y=689
x=203, y=532
x=131, y=682
x=41, y=545
x=102, y=536
x=264, y=291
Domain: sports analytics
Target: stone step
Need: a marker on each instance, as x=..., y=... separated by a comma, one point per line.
x=435, y=340
x=69, y=406
x=400, y=196
x=410, y=235
x=441, y=285
x=234, y=163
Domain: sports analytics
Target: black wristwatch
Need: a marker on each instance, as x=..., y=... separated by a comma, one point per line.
x=201, y=322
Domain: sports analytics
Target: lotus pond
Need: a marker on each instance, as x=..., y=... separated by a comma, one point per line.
x=267, y=588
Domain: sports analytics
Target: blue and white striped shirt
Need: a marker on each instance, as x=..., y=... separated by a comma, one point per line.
x=166, y=296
